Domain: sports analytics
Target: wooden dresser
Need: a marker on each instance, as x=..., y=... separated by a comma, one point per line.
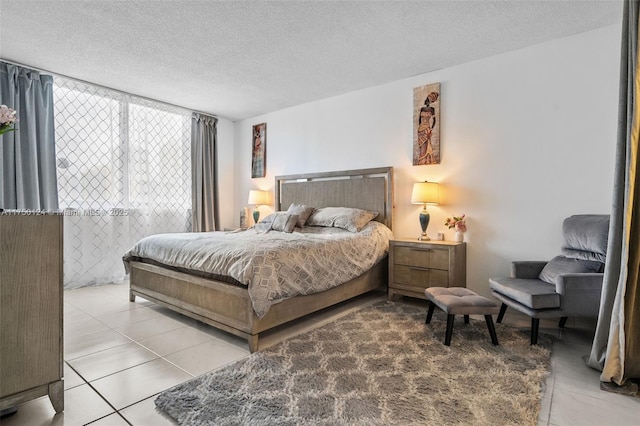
x=31, y=363
x=415, y=265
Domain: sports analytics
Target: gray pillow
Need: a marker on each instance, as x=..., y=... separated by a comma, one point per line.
x=564, y=265
x=303, y=212
x=279, y=221
x=341, y=217
x=586, y=236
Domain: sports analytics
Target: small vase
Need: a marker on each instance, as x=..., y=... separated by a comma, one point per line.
x=459, y=236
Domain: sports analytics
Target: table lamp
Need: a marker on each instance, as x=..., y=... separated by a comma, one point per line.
x=258, y=198
x=425, y=193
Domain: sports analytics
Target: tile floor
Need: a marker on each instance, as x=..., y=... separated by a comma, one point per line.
x=120, y=355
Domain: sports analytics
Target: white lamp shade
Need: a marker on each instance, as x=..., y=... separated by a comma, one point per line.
x=425, y=193
x=258, y=197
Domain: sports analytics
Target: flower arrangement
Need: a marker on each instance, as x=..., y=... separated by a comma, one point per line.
x=7, y=119
x=458, y=222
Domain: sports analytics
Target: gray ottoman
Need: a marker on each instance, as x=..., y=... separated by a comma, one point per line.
x=460, y=301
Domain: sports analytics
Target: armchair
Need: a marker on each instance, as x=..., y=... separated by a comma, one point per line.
x=567, y=285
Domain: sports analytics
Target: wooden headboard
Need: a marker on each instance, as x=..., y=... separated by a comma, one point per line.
x=368, y=189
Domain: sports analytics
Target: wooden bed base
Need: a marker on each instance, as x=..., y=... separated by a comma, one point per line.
x=228, y=307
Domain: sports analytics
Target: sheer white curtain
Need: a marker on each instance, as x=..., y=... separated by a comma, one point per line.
x=124, y=172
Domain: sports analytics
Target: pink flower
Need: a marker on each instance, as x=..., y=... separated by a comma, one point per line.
x=457, y=222
x=7, y=119
x=7, y=115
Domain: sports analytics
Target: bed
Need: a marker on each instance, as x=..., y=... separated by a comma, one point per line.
x=226, y=305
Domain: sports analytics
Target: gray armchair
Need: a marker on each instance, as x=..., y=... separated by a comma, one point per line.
x=566, y=286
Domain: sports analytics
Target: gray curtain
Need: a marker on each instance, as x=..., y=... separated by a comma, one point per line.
x=27, y=156
x=204, y=215
x=616, y=345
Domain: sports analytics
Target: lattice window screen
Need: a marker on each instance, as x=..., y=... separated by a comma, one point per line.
x=124, y=172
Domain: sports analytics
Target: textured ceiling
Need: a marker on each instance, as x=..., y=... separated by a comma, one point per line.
x=241, y=59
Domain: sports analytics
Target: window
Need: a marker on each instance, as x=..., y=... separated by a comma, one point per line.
x=124, y=172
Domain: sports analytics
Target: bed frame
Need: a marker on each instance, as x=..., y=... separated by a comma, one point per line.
x=227, y=306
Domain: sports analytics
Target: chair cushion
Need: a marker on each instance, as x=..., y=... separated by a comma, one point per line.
x=563, y=265
x=532, y=293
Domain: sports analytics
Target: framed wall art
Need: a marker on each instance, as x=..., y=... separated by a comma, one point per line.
x=426, y=124
x=258, y=153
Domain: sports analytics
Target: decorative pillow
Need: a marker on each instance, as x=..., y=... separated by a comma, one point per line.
x=586, y=236
x=280, y=221
x=341, y=217
x=564, y=265
x=303, y=212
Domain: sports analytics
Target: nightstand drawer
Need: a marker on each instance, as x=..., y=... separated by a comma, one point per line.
x=416, y=265
x=421, y=277
x=422, y=258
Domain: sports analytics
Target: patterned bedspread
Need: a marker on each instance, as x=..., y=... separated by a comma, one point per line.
x=275, y=265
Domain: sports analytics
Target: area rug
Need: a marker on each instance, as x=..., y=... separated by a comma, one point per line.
x=381, y=365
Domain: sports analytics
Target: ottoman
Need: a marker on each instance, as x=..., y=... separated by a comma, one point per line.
x=460, y=301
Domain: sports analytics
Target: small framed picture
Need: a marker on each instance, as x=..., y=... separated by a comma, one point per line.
x=259, y=143
x=426, y=124
x=440, y=236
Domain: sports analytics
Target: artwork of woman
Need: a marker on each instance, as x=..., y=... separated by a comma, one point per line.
x=258, y=153
x=427, y=135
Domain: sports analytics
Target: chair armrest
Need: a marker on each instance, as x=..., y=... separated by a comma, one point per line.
x=575, y=283
x=527, y=268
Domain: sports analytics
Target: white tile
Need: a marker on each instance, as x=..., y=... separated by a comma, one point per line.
x=150, y=327
x=146, y=413
x=92, y=343
x=83, y=405
x=206, y=356
x=71, y=378
x=78, y=297
x=106, y=305
x=109, y=361
x=232, y=339
x=128, y=317
x=121, y=291
x=111, y=420
x=175, y=340
x=570, y=408
x=135, y=384
x=68, y=308
x=78, y=323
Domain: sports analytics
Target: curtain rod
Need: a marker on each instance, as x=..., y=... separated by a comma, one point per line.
x=106, y=87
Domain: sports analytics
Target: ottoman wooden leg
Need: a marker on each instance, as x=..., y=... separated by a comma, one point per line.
x=492, y=329
x=432, y=306
x=466, y=319
x=447, y=336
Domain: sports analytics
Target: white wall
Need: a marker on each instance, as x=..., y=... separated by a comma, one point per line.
x=527, y=139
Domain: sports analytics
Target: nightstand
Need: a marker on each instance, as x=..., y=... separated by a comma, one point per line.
x=415, y=265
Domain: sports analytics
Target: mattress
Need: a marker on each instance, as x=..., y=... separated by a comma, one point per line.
x=274, y=266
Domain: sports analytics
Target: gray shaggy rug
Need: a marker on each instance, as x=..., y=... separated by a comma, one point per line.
x=381, y=365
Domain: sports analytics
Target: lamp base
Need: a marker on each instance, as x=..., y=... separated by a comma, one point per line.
x=424, y=222
x=256, y=215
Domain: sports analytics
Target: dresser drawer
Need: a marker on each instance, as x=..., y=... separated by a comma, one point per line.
x=420, y=277
x=422, y=258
